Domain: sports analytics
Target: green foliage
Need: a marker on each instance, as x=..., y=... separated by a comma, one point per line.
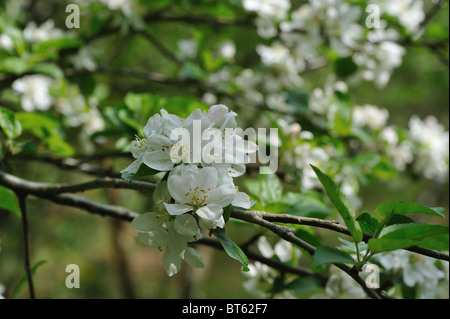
x=231, y=248
x=10, y=125
x=9, y=201
x=341, y=203
x=400, y=236
x=24, y=279
x=326, y=255
x=47, y=128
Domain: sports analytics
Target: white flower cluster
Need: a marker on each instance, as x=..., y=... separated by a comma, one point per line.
x=196, y=191
x=261, y=277
x=418, y=272
x=430, y=143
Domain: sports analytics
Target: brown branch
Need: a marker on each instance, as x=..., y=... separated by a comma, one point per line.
x=288, y=234
x=335, y=226
x=47, y=189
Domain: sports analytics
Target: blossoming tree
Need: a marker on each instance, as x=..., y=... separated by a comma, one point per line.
x=261, y=128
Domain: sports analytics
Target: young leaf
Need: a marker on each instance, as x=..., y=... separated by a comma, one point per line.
x=9, y=201
x=326, y=255
x=231, y=248
x=368, y=223
x=143, y=171
x=341, y=203
x=399, y=236
x=406, y=208
x=24, y=279
x=9, y=124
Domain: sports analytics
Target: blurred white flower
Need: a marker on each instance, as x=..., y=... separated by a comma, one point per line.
x=306, y=155
x=370, y=116
x=2, y=291
x=187, y=49
x=410, y=13
x=400, y=153
x=6, y=42
x=379, y=56
x=84, y=60
x=276, y=9
x=227, y=49
x=415, y=270
x=431, y=147
x=34, y=91
x=275, y=54
x=342, y=286
x=44, y=32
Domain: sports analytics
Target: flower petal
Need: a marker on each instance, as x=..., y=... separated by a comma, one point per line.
x=193, y=258
x=133, y=168
x=179, y=187
x=154, y=238
x=171, y=262
x=186, y=225
x=177, y=209
x=222, y=195
x=147, y=222
x=242, y=200
x=158, y=160
x=207, y=179
x=210, y=212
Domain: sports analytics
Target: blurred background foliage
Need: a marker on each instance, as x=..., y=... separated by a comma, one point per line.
x=136, y=74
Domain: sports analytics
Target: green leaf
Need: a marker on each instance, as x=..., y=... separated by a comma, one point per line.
x=341, y=203
x=24, y=279
x=368, y=223
x=14, y=65
x=231, y=248
x=326, y=255
x=9, y=124
x=306, y=205
x=9, y=201
x=345, y=67
x=401, y=236
x=267, y=189
x=298, y=101
x=227, y=212
x=57, y=44
x=143, y=171
x=304, y=285
x=406, y=208
x=49, y=69
x=46, y=128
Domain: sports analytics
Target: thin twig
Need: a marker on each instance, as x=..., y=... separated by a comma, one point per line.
x=47, y=189
x=288, y=234
x=22, y=197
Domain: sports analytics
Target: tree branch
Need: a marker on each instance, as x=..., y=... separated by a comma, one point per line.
x=47, y=189
x=288, y=234
x=331, y=225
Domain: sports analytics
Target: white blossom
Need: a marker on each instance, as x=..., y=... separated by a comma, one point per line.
x=370, y=116
x=415, y=270
x=431, y=147
x=44, y=32
x=6, y=42
x=276, y=9
x=34, y=91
